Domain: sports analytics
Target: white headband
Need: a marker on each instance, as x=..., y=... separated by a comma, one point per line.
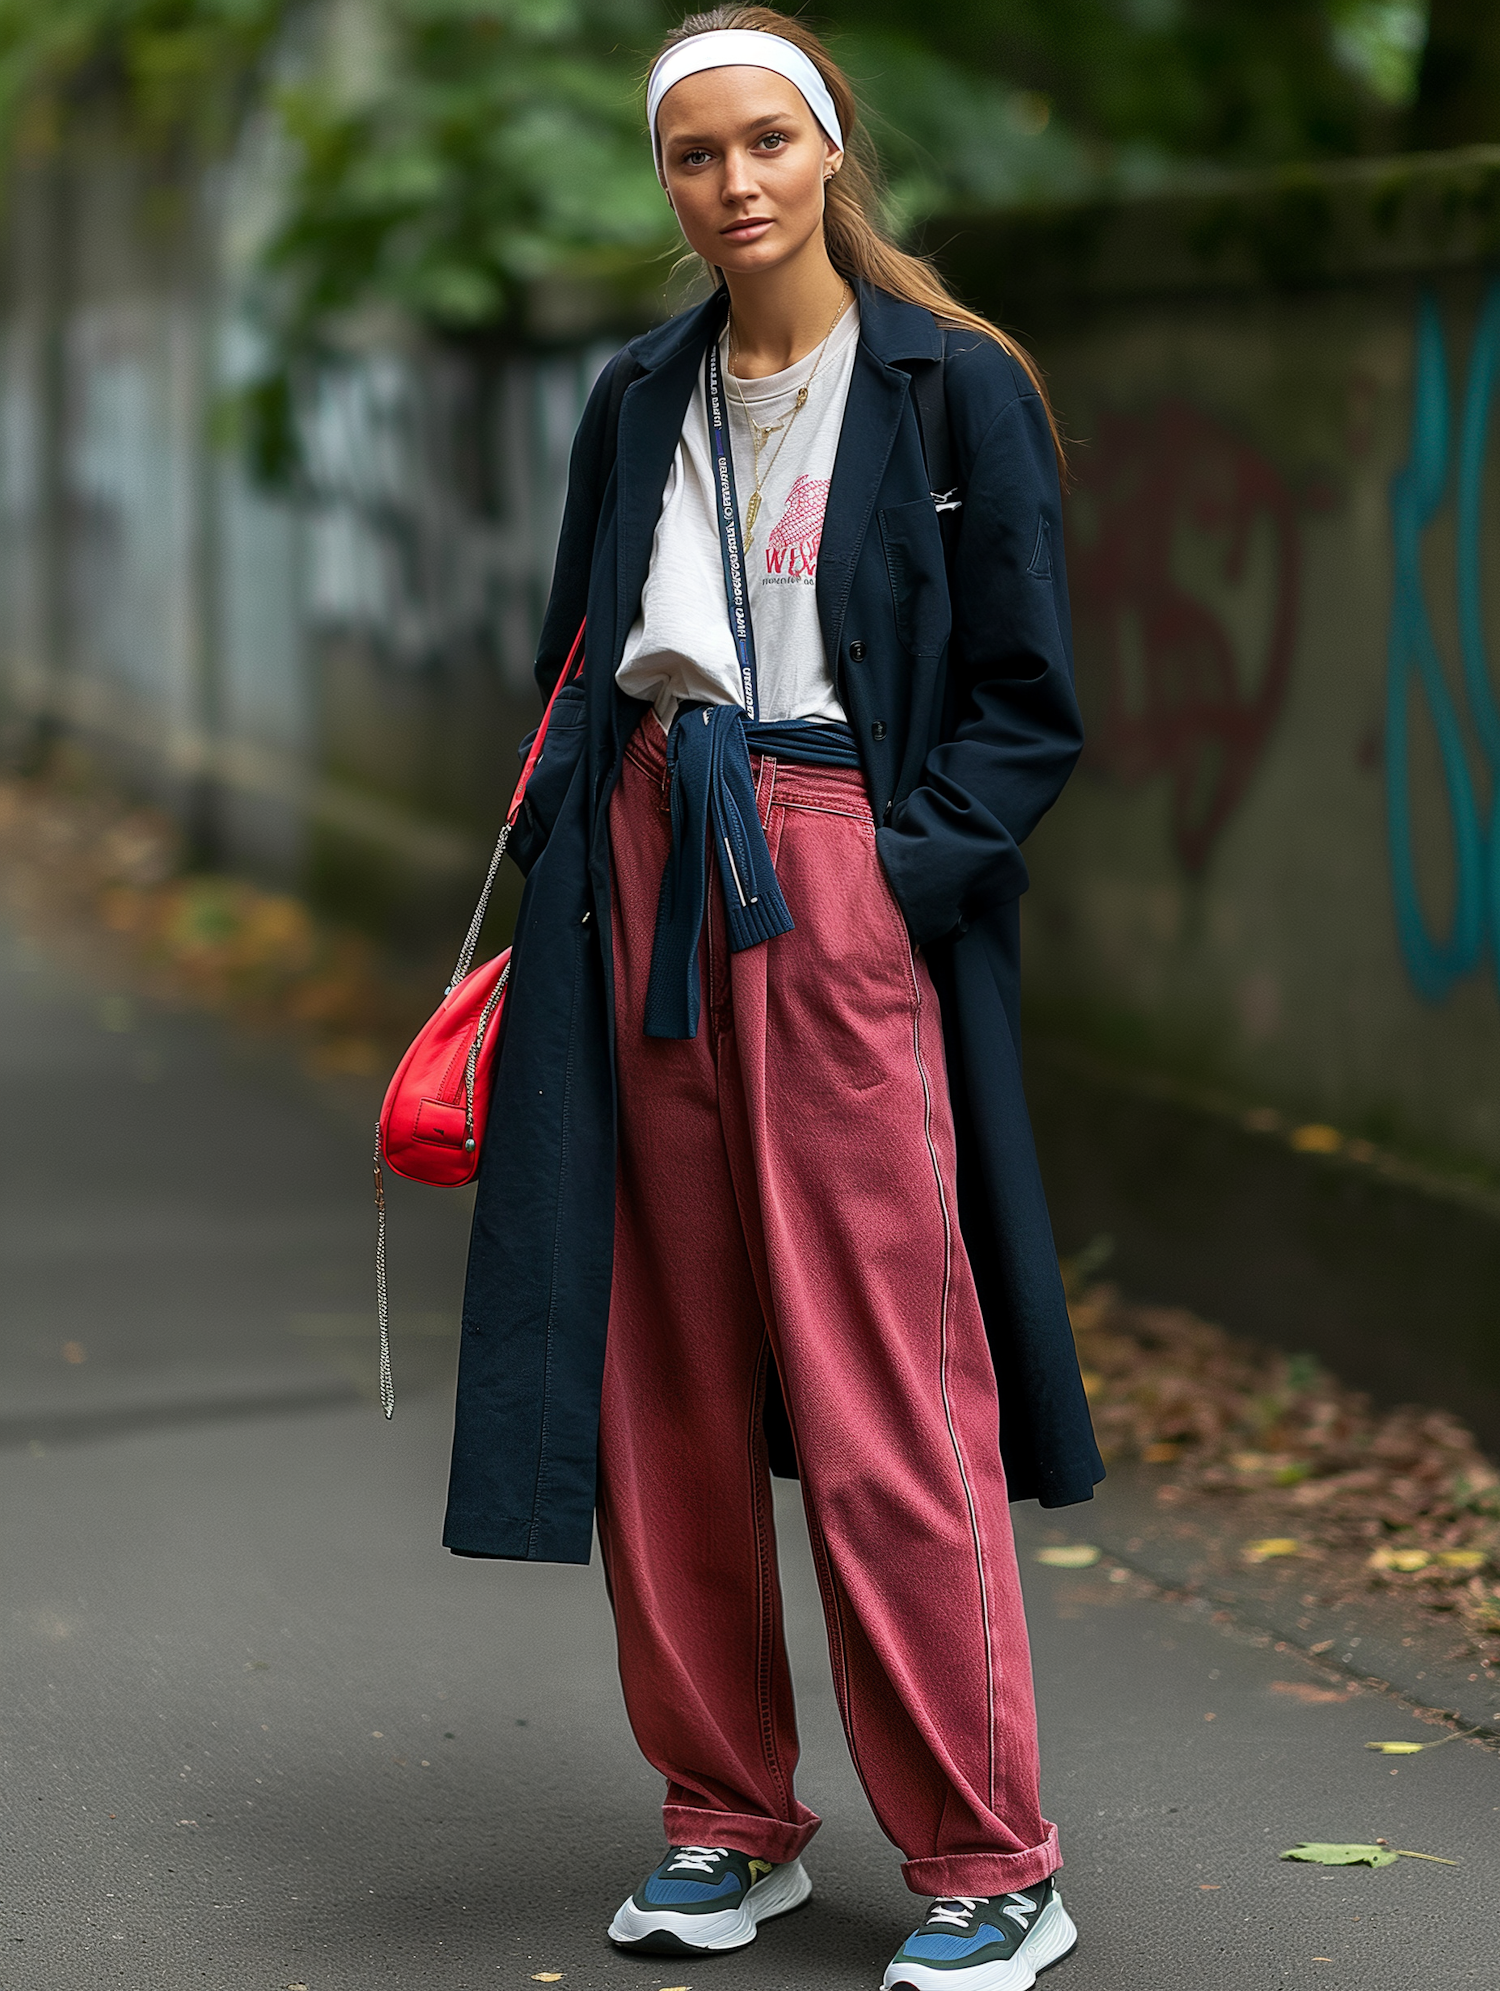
x=735, y=48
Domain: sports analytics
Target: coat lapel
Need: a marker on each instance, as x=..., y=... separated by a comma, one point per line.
x=890, y=330
x=651, y=418
x=872, y=415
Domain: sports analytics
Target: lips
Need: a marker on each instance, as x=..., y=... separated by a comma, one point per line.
x=746, y=231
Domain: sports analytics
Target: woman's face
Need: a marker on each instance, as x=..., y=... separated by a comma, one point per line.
x=745, y=161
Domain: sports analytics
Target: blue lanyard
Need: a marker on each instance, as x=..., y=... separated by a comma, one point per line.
x=736, y=595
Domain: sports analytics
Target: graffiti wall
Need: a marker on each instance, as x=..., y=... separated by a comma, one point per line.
x=1278, y=872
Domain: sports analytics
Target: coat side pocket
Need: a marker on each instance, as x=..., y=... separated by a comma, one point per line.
x=919, y=582
x=553, y=773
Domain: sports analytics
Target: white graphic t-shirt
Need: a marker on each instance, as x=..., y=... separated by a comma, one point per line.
x=680, y=647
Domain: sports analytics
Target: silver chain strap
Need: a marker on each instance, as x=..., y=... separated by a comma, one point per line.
x=472, y=1062
x=387, y=1387
x=471, y=938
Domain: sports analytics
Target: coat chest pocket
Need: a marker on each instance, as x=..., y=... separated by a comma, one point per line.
x=919, y=582
x=553, y=773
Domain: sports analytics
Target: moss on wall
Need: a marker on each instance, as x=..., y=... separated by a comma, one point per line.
x=1285, y=229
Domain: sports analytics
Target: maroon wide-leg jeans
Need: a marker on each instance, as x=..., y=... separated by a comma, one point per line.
x=786, y=1193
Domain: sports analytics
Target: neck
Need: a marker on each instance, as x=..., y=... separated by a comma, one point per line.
x=780, y=315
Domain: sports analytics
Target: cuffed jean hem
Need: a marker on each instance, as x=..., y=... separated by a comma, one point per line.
x=983, y=1873
x=758, y=1838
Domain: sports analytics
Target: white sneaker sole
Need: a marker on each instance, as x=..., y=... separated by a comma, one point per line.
x=1049, y=1941
x=660, y=1931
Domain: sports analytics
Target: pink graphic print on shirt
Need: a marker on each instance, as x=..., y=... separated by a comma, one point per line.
x=792, y=549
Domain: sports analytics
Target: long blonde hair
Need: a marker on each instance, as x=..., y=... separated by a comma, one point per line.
x=857, y=245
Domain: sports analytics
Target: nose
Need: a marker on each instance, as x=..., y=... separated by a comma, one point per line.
x=739, y=183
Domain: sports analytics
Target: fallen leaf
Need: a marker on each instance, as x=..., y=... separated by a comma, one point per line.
x=1416, y=1748
x=1317, y=1139
x=1070, y=1555
x=545, y=1976
x=1403, y=1559
x=1304, y=1690
x=1324, y=1855
x=1322, y=1645
x=1379, y=1855
x=1272, y=1545
x=1463, y=1558
x=1160, y=1454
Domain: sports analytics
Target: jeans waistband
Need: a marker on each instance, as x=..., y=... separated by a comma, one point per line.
x=713, y=795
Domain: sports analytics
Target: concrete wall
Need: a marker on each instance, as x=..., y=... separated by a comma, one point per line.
x=1276, y=871
x=326, y=682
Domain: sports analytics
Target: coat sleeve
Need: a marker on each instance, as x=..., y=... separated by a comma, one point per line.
x=952, y=848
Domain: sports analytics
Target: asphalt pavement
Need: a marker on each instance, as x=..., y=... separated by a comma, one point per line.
x=261, y=1733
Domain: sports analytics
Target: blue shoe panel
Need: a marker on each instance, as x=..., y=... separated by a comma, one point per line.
x=941, y=1948
x=663, y=1893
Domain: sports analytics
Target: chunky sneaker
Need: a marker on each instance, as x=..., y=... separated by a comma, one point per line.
x=705, y=1898
x=977, y=1942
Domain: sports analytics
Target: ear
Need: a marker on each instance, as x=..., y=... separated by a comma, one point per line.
x=833, y=158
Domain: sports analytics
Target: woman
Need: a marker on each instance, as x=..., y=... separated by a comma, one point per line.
x=758, y=1107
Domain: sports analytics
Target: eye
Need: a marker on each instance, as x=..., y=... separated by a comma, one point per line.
x=774, y=140
x=696, y=157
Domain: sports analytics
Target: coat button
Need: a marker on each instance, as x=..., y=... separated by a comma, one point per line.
x=877, y=729
x=856, y=652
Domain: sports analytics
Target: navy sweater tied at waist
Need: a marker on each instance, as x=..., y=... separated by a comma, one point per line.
x=713, y=792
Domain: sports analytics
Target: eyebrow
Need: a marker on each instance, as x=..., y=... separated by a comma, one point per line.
x=768, y=119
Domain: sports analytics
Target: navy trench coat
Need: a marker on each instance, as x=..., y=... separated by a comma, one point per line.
x=962, y=706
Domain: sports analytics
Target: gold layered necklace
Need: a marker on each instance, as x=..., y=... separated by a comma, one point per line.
x=761, y=434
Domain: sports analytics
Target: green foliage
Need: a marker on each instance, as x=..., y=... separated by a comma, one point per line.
x=1237, y=81
x=489, y=143
x=184, y=69
x=950, y=136
x=439, y=157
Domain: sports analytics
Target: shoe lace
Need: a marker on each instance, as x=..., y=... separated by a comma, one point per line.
x=955, y=1908
x=959, y=1909
x=696, y=1859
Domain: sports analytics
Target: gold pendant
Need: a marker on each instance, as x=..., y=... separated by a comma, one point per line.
x=752, y=512
x=801, y=399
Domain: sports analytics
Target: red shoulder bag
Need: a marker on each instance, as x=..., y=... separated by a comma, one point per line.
x=431, y=1126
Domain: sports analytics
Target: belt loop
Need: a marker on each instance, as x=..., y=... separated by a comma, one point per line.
x=765, y=786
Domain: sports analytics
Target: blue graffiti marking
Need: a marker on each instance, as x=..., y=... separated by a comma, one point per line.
x=1417, y=491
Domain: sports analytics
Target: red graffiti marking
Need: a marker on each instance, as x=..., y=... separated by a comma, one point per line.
x=1157, y=667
